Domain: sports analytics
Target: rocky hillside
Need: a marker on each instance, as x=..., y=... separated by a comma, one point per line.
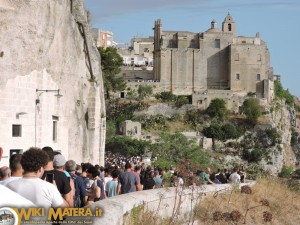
x=270, y=144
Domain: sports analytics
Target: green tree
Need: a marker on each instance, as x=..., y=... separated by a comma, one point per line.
x=251, y=109
x=111, y=63
x=176, y=147
x=145, y=91
x=214, y=131
x=217, y=108
x=230, y=131
x=126, y=145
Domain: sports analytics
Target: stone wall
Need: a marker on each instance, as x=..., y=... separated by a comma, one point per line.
x=47, y=45
x=162, y=201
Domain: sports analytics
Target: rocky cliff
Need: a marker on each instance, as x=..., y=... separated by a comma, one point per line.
x=46, y=45
x=272, y=143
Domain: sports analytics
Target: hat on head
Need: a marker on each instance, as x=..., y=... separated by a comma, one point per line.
x=59, y=160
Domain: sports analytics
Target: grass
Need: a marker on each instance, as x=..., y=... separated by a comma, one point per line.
x=178, y=126
x=173, y=127
x=283, y=204
x=269, y=201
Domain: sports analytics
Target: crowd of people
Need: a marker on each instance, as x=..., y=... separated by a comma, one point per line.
x=44, y=178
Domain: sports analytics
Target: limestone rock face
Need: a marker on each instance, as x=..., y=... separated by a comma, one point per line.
x=46, y=45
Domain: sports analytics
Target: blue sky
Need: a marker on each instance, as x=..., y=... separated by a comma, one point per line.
x=277, y=21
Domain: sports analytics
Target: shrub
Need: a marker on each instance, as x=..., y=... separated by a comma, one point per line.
x=286, y=171
x=157, y=122
x=217, y=108
x=283, y=94
x=194, y=118
x=251, y=109
x=295, y=138
x=181, y=100
x=253, y=156
x=214, y=131
x=126, y=145
x=145, y=91
x=273, y=135
x=119, y=112
x=246, y=189
x=175, y=117
x=230, y=131
x=297, y=172
x=165, y=96
x=224, y=132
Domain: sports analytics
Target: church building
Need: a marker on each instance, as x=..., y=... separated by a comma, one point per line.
x=214, y=63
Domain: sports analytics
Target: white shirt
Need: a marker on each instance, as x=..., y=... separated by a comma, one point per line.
x=106, y=180
x=10, y=198
x=40, y=192
x=235, y=178
x=10, y=179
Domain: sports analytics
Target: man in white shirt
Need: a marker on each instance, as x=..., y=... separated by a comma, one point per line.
x=40, y=192
x=235, y=177
x=10, y=198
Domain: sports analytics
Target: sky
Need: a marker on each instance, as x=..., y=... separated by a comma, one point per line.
x=277, y=21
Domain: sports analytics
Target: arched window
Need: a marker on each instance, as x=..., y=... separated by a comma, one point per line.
x=229, y=27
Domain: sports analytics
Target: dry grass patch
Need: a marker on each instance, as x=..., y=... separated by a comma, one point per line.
x=177, y=126
x=271, y=201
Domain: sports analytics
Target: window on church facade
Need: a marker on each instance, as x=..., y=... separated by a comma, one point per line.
x=257, y=76
x=217, y=43
x=54, y=128
x=259, y=57
x=237, y=76
x=17, y=130
x=236, y=57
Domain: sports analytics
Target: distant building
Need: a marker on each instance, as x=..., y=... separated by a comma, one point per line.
x=138, y=59
x=131, y=128
x=211, y=64
x=139, y=54
x=103, y=38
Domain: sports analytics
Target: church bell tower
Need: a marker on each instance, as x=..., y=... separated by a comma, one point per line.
x=228, y=25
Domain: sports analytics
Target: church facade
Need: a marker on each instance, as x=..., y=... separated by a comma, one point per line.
x=214, y=63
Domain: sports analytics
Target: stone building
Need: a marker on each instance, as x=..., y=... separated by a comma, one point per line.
x=131, y=128
x=138, y=59
x=211, y=64
x=215, y=61
x=46, y=51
